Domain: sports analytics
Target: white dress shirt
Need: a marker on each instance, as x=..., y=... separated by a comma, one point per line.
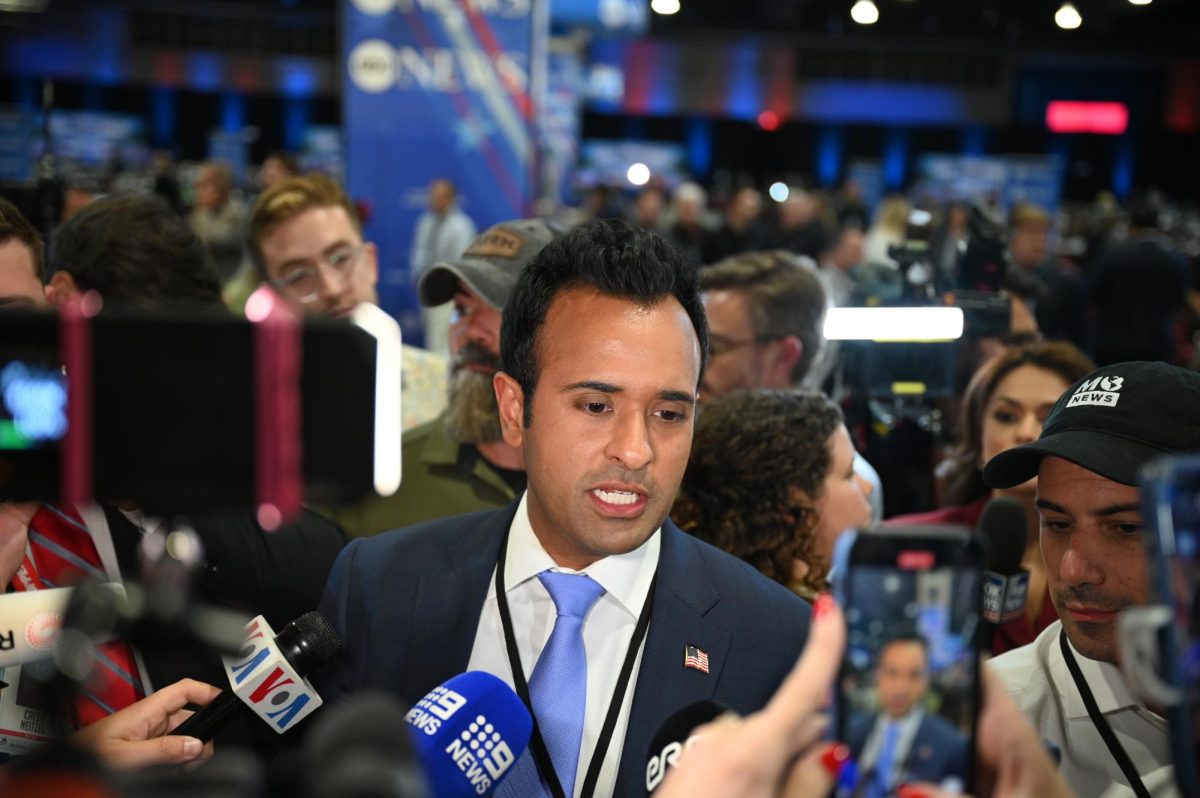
x=607, y=630
x=1036, y=676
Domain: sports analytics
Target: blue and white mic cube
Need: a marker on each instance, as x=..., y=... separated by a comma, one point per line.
x=266, y=682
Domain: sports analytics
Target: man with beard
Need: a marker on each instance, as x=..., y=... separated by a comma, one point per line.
x=1094, y=441
x=459, y=461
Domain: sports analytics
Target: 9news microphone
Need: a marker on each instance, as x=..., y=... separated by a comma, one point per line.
x=672, y=737
x=468, y=733
x=268, y=676
x=1003, y=527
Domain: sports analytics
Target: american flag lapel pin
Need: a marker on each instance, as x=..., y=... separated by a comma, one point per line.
x=694, y=657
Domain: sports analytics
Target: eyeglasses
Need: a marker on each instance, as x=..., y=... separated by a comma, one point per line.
x=719, y=345
x=303, y=284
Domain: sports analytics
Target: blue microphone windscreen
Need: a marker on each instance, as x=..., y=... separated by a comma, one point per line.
x=468, y=733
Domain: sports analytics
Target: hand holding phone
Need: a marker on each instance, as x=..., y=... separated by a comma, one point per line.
x=908, y=690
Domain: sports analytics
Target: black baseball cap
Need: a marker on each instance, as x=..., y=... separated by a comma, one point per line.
x=1112, y=422
x=491, y=264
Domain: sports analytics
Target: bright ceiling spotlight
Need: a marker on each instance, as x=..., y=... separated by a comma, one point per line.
x=779, y=192
x=665, y=7
x=1067, y=17
x=638, y=174
x=1139, y=2
x=865, y=12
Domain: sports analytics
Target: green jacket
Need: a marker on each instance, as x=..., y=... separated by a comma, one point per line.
x=441, y=477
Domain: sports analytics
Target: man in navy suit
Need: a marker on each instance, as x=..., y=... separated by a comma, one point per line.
x=904, y=743
x=603, y=343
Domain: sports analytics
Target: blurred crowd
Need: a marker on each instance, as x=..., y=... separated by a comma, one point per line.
x=783, y=456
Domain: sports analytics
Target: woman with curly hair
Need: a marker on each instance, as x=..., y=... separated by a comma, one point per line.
x=771, y=480
x=1004, y=406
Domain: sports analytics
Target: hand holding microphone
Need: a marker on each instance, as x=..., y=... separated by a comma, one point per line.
x=142, y=733
x=269, y=676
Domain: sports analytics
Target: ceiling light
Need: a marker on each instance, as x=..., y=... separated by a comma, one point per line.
x=864, y=12
x=894, y=324
x=665, y=7
x=1067, y=17
x=779, y=192
x=638, y=174
x=1139, y=2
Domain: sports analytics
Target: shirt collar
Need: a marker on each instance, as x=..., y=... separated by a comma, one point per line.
x=1105, y=680
x=625, y=577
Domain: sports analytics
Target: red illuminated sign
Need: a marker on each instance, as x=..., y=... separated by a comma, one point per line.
x=1068, y=116
x=915, y=560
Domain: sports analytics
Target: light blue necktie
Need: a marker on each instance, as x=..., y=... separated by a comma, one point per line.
x=558, y=687
x=883, y=765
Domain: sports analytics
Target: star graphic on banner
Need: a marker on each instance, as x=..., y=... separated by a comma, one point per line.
x=470, y=132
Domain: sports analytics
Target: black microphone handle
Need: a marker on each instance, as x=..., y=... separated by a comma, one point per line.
x=209, y=720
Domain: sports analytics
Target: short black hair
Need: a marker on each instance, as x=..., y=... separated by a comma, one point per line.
x=612, y=256
x=902, y=636
x=136, y=253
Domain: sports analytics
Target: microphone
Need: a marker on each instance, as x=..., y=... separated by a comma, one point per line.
x=468, y=733
x=360, y=749
x=673, y=736
x=268, y=676
x=30, y=623
x=1003, y=528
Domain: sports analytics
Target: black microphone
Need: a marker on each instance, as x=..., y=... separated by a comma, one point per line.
x=268, y=676
x=672, y=737
x=1004, y=530
x=361, y=749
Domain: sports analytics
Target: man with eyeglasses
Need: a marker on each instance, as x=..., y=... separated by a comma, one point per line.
x=460, y=462
x=765, y=312
x=306, y=240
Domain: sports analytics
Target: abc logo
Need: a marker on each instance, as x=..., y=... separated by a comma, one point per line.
x=372, y=66
x=374, y=7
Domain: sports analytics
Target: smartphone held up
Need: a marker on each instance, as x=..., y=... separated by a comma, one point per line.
x=907, y=695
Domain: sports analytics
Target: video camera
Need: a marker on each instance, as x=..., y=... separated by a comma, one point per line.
x=917, y=355
x=186, y=413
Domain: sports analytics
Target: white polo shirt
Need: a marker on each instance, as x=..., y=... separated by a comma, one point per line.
x=1037, y=677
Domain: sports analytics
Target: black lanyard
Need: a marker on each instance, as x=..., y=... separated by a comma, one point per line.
x=541, y=756
x=1110, y=738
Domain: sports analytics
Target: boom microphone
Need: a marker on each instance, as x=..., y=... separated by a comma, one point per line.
x=468, y=733
x=268, y=676
x=1003, y=528
x=672, y=738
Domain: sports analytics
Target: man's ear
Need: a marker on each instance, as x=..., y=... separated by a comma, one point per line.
x=60, y=289
x=511, y=400
x=785, y=354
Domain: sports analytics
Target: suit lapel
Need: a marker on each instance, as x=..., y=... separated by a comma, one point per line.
x=683, y=596
x=448, y=604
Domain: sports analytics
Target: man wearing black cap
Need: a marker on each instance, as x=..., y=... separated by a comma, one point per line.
x=1094, y=441
x=459, y=462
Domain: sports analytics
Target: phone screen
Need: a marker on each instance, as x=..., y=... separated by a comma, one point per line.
x=908, y=689
x=33, y=406
x=1172, y=493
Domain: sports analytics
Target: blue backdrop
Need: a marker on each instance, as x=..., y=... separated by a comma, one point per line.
x=437, y=88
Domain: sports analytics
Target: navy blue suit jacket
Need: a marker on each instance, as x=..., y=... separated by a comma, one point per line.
x=407, y=605
x=938, y=750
